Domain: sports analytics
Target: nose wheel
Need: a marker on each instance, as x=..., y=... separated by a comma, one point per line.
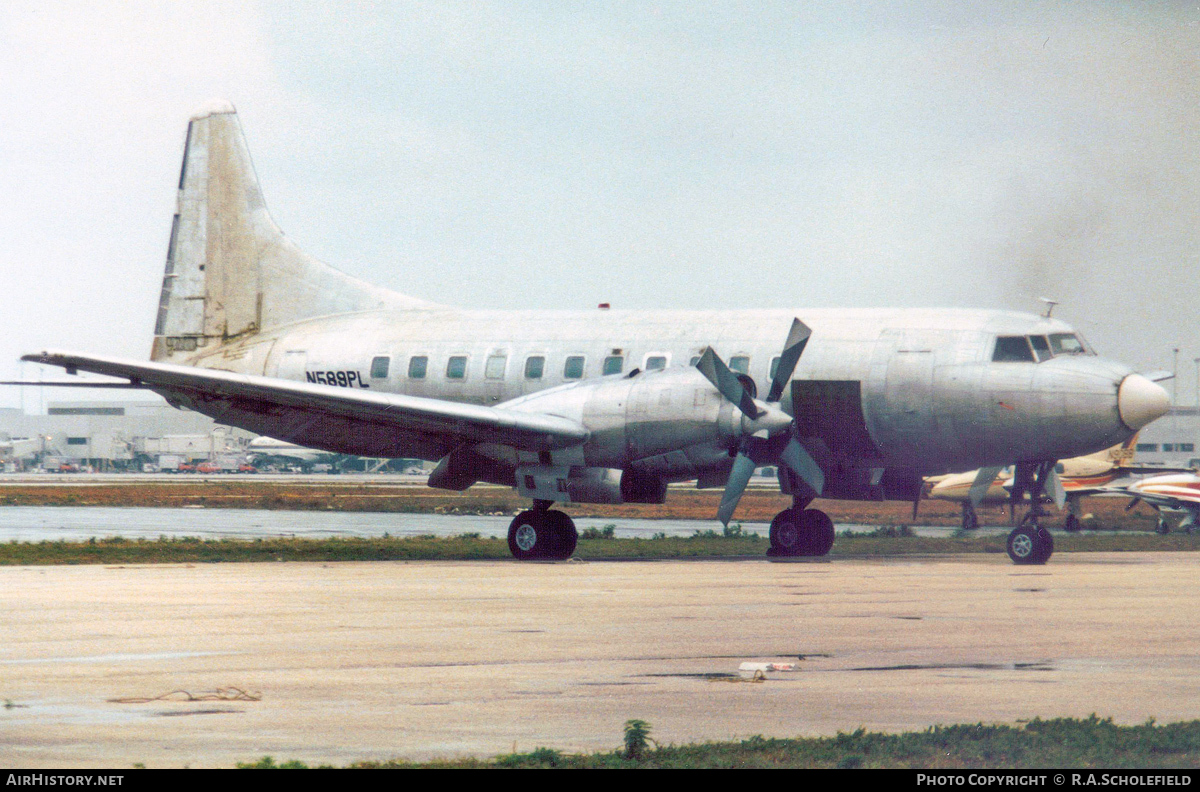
x=542, y=534
x=801, y=532
x=1030, y=543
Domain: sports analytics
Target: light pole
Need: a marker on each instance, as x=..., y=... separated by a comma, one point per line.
x=1174, y=376
x=1197, y=362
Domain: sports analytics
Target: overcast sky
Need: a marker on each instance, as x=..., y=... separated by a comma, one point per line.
x=682, y=155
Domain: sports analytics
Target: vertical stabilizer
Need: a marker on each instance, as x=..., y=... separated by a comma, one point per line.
x=230, y=271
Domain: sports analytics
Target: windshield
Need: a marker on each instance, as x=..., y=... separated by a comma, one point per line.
x=1036, y=348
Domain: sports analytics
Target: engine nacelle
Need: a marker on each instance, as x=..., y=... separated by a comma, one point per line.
x=668, y=425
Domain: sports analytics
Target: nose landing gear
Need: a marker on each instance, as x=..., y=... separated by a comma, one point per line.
x=1030, y=543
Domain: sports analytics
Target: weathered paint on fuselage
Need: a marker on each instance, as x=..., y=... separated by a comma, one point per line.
x=932, y=399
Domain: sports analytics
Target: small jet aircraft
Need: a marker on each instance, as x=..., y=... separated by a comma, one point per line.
x=1091, y=474
x=606, y=406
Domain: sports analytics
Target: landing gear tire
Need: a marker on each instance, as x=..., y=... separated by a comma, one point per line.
x=807, y=532
x=535, y=534
x=970, y=520
x=1161, y=527
x=1072, y=524
x=1030, y=544
x=564, y=534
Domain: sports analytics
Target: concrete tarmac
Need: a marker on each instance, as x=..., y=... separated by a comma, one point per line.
x=371, y=661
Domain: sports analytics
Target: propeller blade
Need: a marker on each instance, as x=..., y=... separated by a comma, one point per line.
x=794, y=347
x=983, y=481
x=715, y=370
x=739, y=477
x=800, y=462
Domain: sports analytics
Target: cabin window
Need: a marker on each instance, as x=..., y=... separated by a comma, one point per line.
x=379, y=367
x=496, y=364
x=417, y=366
x=613, y=364
x=1185, y=447
x=77, y=441
x=1012, y=349
x=456, y=367
x=1041, y=347
x=656, y=362
x=534, y=367
x=573, y=368
x=1148, y=448
x=740, y=363
x=695, y=359
x=774, y=368
x=1168, y=448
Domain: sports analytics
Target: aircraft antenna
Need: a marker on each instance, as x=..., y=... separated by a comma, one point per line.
x=1049, y=306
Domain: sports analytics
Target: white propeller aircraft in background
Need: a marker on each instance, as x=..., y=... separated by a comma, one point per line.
x=1093, y=474
x=607, y=406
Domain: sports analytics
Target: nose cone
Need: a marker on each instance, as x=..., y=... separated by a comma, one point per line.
x=1141, y=401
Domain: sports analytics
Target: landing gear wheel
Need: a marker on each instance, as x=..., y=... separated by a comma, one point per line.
x=786, y=537
x=563, y=534
x=1030, y=544
x=970, y=520
x=1072, y=524
x=807, y=532
x=539, y=533
x=1161, y=527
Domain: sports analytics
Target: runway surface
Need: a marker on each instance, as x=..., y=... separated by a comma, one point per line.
x=357, y=661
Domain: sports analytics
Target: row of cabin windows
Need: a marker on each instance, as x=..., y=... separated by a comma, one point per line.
x=535, y=366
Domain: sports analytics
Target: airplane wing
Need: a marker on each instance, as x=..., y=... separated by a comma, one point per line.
x=349, y=420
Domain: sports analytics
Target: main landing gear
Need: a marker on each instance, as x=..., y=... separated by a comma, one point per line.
x=540, y=533
x=800, y=532
x=970, y=520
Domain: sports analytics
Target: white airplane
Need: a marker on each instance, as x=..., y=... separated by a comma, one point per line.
x=606, y=406
x=1082, y=476
x=1170, y=492
x=269, y=448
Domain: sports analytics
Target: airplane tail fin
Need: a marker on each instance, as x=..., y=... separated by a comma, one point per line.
x=230, y=271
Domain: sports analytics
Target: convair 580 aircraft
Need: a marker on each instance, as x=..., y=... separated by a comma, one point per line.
x=606, y=406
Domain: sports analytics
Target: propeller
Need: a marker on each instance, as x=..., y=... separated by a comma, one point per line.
x=764, y=424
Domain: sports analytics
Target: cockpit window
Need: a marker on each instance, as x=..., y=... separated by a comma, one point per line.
x=1041, y=347
x=1012, y=349
x=1067, y=344
x=1027, y=349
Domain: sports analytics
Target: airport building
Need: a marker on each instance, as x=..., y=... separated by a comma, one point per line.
x=1172, y=440
x=111, y=436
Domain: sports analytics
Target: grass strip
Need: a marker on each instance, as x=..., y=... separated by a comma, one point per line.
x=881, y=543
x=1055, y=743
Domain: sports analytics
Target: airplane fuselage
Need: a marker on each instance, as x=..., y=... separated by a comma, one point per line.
x=921, y=384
